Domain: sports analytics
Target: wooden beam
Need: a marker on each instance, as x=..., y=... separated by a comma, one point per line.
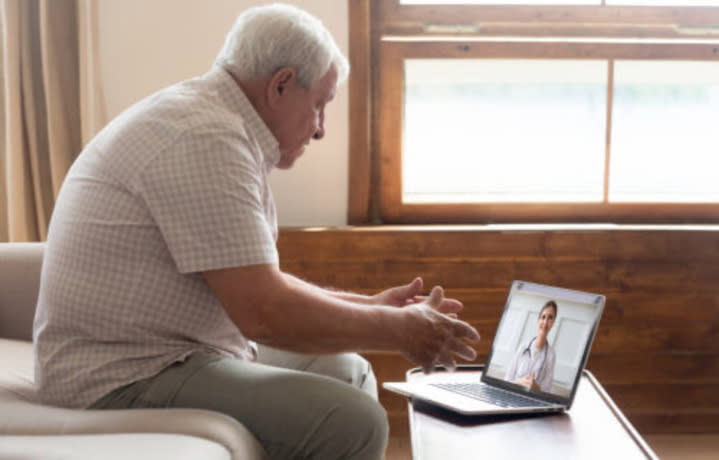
x=360, y=166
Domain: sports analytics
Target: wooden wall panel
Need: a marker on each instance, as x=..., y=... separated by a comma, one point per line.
x=657, y=346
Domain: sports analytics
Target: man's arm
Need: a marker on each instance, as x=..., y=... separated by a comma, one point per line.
x=398, y=296
x=272, y=308
x=348, y=296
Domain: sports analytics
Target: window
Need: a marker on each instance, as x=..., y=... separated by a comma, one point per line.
x=527, y=111
x=520, y=130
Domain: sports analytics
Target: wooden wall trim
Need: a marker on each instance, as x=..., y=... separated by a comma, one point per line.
x=656, y=351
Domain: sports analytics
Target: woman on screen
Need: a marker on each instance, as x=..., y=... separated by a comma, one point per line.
x=533, y=364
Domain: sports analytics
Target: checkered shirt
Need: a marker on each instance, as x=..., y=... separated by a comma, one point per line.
x=174, y=186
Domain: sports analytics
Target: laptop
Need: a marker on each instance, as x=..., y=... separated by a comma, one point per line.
x=522, y=374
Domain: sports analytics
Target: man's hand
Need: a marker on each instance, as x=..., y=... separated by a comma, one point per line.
x=409, y=294
x=431, y=337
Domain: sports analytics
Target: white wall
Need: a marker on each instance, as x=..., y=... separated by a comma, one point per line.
x=145, y=45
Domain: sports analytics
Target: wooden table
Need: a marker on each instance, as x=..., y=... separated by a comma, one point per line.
x=593, y=428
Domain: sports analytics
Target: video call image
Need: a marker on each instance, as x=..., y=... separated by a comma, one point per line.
x=541, y=341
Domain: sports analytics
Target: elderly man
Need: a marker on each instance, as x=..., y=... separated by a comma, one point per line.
x=161, y=271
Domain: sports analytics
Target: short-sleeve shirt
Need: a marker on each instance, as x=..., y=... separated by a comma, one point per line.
x=175, y=186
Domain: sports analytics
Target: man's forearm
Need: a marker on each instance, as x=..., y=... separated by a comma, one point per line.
x=307, y=318
x=281, y=311
x=348, y=296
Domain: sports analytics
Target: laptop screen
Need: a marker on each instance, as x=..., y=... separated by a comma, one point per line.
x=543, y=340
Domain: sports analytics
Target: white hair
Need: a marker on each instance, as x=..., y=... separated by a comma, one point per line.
x=266, y=38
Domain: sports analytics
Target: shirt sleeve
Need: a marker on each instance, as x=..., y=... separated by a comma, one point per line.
x=204, y=193
x=546, y=383
x=512, y=371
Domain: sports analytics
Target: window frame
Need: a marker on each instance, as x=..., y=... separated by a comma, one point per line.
x=397, y=32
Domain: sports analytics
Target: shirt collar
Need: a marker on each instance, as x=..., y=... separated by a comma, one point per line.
x=237, y=101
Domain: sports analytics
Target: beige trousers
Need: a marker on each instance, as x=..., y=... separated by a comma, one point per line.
x=297, y=406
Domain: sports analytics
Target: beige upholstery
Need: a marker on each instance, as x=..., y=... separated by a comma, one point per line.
x=145, y=446
x=20, y=265
x=31, y=430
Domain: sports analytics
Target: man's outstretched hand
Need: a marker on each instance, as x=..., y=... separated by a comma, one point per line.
x=409, y=294
x=432, y=337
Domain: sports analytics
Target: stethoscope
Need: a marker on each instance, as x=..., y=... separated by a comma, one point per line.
x=538, y=377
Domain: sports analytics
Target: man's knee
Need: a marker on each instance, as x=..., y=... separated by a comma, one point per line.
x=375, y=427
x=363, y=424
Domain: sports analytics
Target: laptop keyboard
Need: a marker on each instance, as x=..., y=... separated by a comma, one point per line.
x=490, y=395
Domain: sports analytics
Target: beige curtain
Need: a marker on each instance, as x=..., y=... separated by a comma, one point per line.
x=40, y=121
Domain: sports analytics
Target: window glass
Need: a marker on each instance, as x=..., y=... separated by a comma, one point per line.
x=665, y=141
x=500, y=2
x=500, y=130
x=565, y=2
x=663, y=2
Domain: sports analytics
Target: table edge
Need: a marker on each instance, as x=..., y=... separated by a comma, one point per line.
x=626, y=424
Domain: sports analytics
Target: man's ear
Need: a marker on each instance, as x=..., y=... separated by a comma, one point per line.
x=279, y=83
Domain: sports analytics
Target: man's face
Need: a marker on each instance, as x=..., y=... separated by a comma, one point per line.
x=300, y=115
